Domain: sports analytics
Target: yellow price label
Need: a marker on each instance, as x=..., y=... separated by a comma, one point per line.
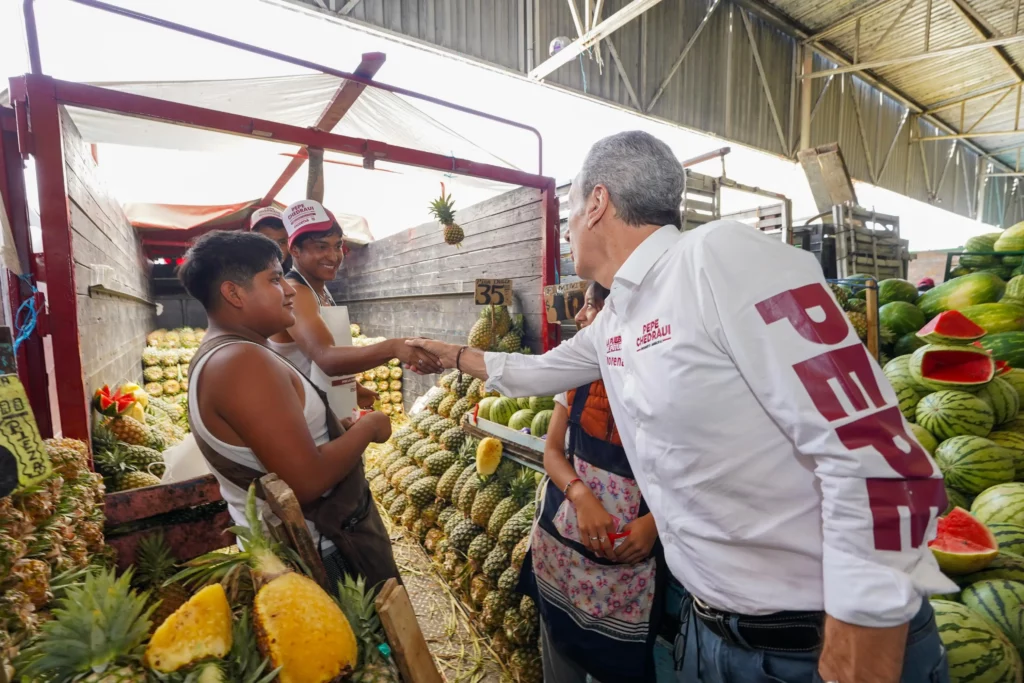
x=22, y=452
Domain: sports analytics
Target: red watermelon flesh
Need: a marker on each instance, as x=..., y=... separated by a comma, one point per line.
x=1002, y=368
x=963, y=544
x=951, y=327
x=957, y=367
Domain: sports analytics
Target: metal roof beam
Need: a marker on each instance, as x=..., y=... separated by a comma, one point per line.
x=921, y=56
x=604, y=29
x=988, y=91
x=986, y=32
x=979, y=134
x=849, y=20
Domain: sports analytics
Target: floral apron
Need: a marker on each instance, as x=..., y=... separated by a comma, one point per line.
x=600, y=614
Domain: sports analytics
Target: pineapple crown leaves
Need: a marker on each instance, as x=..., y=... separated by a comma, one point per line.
x=100, y=624
x=443, y=209
x=155, y=563
x=357, y=603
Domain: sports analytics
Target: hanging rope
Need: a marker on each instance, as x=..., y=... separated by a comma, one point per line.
x=452, y=174
x=26, y=316
x=583, y=73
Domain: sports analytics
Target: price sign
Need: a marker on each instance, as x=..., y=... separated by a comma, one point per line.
x=23, y=458
x=564, y=301
x=493, y=292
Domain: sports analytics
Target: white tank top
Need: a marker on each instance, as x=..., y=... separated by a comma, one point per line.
x=316, y=419
x=291, y=350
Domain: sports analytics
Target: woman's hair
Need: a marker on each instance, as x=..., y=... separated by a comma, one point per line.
x=600, y=292
x=335, y=229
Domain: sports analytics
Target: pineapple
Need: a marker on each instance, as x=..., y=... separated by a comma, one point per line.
x=444, y=516
x=519, y=552
x=432, y=511
x=526, y=666
x=518, y=629
x=145, y=460
x=452, y=439
x=499, y=643
x=357, y=602
x=423, y=491
x=132, y=432
x=440, y=427
x=478, y=590
x=379, y=486
x=426, y=451
x=153, y=374
x=136, y=480
x=389, y=497
x=446, y=380
x=410, y=516
x=398, y=507
x=521, y=492
x=97, y=633
x=443, y=210
x=493, y=611
x=32, y=577
x=468, y=472
x=198, y=629
x=488, y=456
x=446, y=484
x=497, y=561
x=154, y=566
x=462, y=535
x=438, y=463
x=508, y=580
x=481, y=335
x=397, y=466
x=432, y=540
x=859, y=322
x=435, y=401
x=154, y=389
x=467, y=496
x=298, y=626
x=395, y=385
x=511, y=342
x=445, y=407
x=150, y=357
x=402, y=483
x=486, y=500
x=478, y=550
x=474, y=391
x=453, y=521
x=461, y=407
x=517, y=526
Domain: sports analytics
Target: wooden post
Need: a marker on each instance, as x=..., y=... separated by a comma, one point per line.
x=408, y=646
x=286, y=508
x=315, y=179
x=872, y=306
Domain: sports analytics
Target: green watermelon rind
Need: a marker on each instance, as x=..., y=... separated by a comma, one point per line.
x=976, y=649
x=972, y=464
x=895, y=289
x=1002, y=398
x=1001, y=601
x=916, y=362
x=1013, y=442
x=541, y=422
x=503, y=410
x=901, y=317
x=957, y=294
x=996, y=317
x=521, y=419
x=954, y=413
x=1006, y=346
x=1010, y=537
x=1002, y=503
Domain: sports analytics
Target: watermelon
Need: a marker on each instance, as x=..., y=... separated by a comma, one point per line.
x=1015, y=378
x=1003, y=503
x=1011, y=239
x=997, y=317
x=1001, y=602
x=976, y=649
x=909, y=395
x=950, y=327
x=958, y=271
x=955, y=295
x=1014, y=290
x=521, y=419
x=539, y=425
x=980, y=243
x=539, y=403
x=502, y=410
x=857, y=282
x=949, y=597
x=523, y=403
x=896, y=290
x=972, y=464
x=1008, y=346
x=1010, y=537
x=962, y=544
x=1006, y=565
x=901, y=317
x=1003, y=399
x=907, y=344
x=484, y=410
x=951, y=367
x=957, y=499
x=1016, y=425
x=1013, y=261
x=1013, y=442
x=954, y=413
x=898, y=368
x=925, y=438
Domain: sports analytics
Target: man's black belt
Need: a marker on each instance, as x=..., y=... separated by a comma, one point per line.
x=778, y=632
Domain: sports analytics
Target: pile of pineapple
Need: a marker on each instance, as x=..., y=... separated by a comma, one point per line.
x=386, y=380
x=497, y=330
x=253, y=618
x=49, y=534
x=128, y=443
x=165, y=360
x=471, y=508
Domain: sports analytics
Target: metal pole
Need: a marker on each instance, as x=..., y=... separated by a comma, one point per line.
x=805, y=98
x=28, y=13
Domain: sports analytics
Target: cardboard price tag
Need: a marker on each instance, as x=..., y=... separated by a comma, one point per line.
x=493, y=292
x=564, y=301
x=23, y=457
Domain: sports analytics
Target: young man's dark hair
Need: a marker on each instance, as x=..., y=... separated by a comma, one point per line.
x=302, y=238
x=225, y=256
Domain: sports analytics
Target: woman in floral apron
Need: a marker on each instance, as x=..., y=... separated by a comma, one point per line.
x=599, y=604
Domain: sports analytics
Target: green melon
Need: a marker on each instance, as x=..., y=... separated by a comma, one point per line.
x=484, y=407
x=502, y=410
x=521, y=419
x=901, y=317
x=908, y=395
x=1011, y=239
x=1013, y=442
x=925, y=438
x=1006, y=346
x=896, y=289
x=954, y=413
x=907, y=344
x=898, y=368
x=1010, y=537
x=1015, y=378
x=523, y=403
x=996, y=317
x=1014, y=290
x=972, y=464
x=540, y=423
x=957, y=499
x=958, y=294
x=1001, y=602
x=976, y=649
x=539, y=403
x=980, y=243
x=1008, y=566
x=1002, y=503
x=1003, y=399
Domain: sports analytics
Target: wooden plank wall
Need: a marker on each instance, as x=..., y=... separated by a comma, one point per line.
x=112, y=330
x=413, y=284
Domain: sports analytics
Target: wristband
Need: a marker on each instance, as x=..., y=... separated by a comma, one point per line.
x=565, y=491
x=458, y=358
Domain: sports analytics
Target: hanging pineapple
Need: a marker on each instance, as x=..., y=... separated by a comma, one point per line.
x=443, y=211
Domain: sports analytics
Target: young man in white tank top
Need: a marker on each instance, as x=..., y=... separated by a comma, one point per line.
x=247, y=404
x=315, y=241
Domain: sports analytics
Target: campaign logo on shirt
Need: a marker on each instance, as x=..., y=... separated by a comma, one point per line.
x=614, y=345
x=654, y=333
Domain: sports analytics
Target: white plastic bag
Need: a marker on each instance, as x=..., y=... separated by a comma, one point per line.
x=184, y=461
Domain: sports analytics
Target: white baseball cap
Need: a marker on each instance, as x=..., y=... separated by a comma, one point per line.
x=305, y=216
x=263, y=213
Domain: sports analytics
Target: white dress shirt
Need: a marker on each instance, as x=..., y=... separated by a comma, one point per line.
x=766, y=441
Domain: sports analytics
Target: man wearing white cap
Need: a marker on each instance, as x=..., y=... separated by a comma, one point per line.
x=266, y=220
x=315, y=243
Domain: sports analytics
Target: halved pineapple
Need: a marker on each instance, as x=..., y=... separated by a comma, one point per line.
x=199, y=629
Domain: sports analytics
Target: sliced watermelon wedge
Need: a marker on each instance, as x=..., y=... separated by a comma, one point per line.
x=111, y=403
x=963, y=544
x=951, y=367
x=951, y=327
x=1003, y=368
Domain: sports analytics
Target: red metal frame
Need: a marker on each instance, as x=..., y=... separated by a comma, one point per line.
x=31, y=357
x=37, y=100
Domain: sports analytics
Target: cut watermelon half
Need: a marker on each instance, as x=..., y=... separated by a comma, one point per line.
x=951, y=327
x=951, y=367
x=963, y=544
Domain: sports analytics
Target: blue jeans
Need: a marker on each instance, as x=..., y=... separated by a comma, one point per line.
x=703, y=657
